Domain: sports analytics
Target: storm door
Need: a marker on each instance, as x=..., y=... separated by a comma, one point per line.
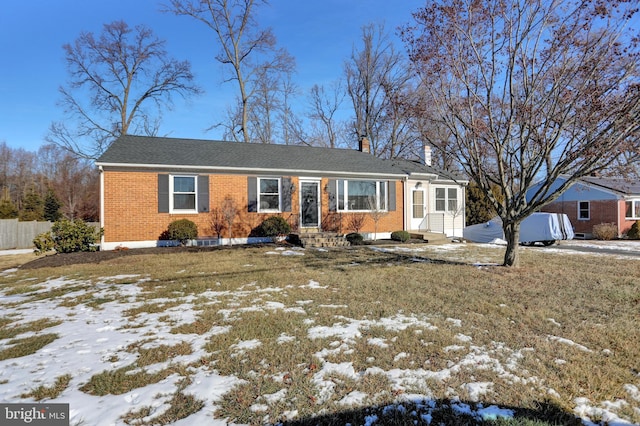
x=309, y=204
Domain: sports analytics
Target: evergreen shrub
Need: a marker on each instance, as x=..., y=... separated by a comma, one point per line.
x=402, y=236
x=634, y=232
x=181, y=230
x=273, y=226
x=355, y=239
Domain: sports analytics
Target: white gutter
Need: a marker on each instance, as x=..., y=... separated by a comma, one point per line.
x=245, y=170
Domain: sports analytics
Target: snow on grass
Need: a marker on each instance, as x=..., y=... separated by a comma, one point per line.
x=93, y=340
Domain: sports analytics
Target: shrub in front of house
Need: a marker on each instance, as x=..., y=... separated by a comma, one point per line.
x=355, y=239
x=605, y=231
x=181, y=230
x=43, y=243
x=634, y=232
x=274, y=226
x=402, y=236
x=68, y=237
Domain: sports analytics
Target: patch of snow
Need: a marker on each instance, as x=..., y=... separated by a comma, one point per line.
x=477, y=390
x=455, y=322
x=568, y=342
x=377, y=341
x=285, y=338
x=354, y=398
x=493, y=413
x=314, y=285
x=554, y=322
x=463, y=338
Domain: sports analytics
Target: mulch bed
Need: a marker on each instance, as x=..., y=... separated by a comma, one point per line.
x=66, y=259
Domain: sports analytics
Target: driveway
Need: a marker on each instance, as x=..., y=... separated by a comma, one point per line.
x=615, y=248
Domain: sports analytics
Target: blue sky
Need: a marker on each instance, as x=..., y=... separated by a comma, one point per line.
x=318, y=33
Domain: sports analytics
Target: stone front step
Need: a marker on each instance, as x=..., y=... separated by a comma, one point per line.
x=318, y=239
x=430, y=237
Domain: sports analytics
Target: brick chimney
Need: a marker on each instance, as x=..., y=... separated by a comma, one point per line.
x=363, y=145
x=427, y=155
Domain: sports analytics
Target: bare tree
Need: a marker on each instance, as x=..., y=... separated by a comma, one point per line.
x=249, y=50
x=270, y=104
x=115, y=81
x=355, y=221
x=529, y=90
x=74, y=181
x=376, y=212
x=324, y=104
x=217, y=222
x=376, y=75
x=230, y=212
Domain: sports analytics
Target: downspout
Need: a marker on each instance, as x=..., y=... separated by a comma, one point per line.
x=101, y=206
x=405, y=187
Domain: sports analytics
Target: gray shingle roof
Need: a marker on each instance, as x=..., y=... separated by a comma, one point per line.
x=417, y=168
x=623, y=186
x=145, y=151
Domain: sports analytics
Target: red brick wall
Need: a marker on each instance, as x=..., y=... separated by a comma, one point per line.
x=131, y=208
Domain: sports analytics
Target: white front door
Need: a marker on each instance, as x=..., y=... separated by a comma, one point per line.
x=418, y=208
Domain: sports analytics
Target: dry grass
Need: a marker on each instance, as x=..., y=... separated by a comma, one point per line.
x=257, y=312
x=49, y=392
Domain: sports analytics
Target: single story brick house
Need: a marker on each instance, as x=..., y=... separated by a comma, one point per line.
x=595, y=200
x=148, y=182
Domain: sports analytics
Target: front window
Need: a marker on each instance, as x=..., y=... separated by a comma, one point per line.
x=269, y=195
x=362, y=195
x=583, y=210
x=183, y=190
x=632, y=209
x=446, y=199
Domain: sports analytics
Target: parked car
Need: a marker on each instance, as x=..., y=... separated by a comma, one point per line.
x=544, y=228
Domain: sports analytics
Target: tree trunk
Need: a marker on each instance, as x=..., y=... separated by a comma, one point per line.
x=512, y=235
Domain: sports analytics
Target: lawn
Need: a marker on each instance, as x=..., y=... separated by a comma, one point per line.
x=392, y=335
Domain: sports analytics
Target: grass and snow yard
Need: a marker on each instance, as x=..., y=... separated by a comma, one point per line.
x=370, y=335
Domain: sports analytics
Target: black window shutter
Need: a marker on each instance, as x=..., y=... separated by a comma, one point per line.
x=252, y=194
x=203, y=193
x=392, y=195
x=163, y=193
x=331, y=190
x=287, y=193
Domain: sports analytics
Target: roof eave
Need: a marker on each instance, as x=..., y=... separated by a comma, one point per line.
x=245, y=170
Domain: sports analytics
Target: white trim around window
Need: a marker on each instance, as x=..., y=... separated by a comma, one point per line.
x=269, y=195
x=584, y=210
x=358, y=195
x=183, y=194
x=632, y=209
x=446, y=199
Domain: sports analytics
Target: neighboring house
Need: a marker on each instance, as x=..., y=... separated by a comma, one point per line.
x=148, y=182
x=595, y=200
